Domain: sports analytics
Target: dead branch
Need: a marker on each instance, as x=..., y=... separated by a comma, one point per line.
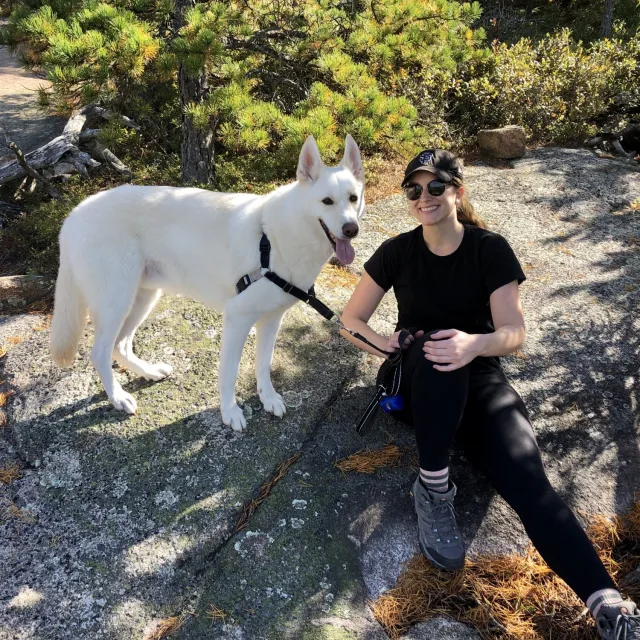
x=101, y=152
x=109, y=115
x=30, y=171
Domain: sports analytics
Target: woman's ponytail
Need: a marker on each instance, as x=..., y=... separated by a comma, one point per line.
x=467, y=214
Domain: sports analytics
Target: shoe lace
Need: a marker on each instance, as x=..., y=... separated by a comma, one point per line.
x=627, y=627
x=444, y=520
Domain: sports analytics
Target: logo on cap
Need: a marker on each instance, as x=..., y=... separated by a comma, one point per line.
x=426, y=157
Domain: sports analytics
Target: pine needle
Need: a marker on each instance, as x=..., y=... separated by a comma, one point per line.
x=252, y=505
x=510, y=597
x=370, y=460
x=10, y=473
x=167, y=626
x=333, y=276
x=4, y=396
x=215, y=613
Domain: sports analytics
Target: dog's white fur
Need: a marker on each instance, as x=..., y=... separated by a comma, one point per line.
x=121, y=248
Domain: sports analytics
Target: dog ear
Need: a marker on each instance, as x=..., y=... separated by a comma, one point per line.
x=310, y=163
x=352, y=159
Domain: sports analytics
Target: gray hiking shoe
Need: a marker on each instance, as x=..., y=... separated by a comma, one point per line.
x=614, y=625
x=438, y=534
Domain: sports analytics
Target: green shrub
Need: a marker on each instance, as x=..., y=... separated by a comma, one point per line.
x=553, y=88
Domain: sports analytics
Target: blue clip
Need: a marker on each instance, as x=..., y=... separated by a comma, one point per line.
x=392, y=403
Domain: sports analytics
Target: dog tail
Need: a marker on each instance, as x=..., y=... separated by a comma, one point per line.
x=69, y=316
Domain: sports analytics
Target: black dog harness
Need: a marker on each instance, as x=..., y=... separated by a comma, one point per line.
x=309, y=297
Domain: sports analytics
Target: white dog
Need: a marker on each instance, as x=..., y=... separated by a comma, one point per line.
x=120, y=248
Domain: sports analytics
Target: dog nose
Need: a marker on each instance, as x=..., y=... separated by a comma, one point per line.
x=350, y=229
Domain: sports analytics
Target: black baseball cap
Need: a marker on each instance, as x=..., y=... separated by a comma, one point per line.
x=442, y=163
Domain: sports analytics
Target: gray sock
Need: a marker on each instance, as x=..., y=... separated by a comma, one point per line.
x=437, y=481
x=608, y=602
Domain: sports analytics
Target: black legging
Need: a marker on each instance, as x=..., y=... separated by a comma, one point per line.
x=478, y=408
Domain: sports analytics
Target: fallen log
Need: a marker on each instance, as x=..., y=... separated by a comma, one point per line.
x=51, y=153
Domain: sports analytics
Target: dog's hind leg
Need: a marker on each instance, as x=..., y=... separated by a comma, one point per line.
x=267, y=331
x=110, y=300
x=143, y=304
x=235, y=331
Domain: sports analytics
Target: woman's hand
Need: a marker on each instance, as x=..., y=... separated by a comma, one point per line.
x=451, y=348
x=393, y=345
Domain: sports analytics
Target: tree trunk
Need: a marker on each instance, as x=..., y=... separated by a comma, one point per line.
x=607, y=18
x=198, y=153
x=197, y=144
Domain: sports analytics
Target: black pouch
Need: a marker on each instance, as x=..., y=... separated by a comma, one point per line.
x=388, y=384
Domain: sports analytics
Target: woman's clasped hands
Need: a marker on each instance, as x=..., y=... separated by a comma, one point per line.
x=451, y=349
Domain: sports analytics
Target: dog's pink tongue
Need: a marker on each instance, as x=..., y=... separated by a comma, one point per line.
x=344, y=251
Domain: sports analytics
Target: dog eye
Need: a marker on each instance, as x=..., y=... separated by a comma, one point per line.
x=353, y=198
x=327, y=201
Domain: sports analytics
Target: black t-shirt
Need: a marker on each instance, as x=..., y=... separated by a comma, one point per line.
x=445, y=292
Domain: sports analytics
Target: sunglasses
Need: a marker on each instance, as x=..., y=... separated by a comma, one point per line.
x=435, y=188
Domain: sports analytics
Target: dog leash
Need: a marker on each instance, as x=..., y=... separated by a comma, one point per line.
x=325, y=311
x=308, y=297
x=394, y=359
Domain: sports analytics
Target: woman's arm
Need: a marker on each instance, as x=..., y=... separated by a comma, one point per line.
x=452, y=349
x=363, y=302
x=508, y=319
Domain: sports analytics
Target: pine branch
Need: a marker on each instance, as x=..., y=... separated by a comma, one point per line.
x=252, y=45
x=279, y=79
x=433, y=16
x=373, y=12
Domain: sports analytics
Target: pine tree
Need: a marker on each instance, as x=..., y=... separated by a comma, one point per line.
x=256, y=75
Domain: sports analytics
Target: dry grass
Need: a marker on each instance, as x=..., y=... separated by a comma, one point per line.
x=15, y=513
x=44, y=324
x=10, y=473
x=11, y=341
x=333, y=276
x=511, y=597
x=372, y=460
x=265, y=491
x=4, y=396
x=215, y=613
x=166, y=627
x=384, y=178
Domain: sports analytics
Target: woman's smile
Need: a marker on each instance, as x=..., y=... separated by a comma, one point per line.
x=428, y=208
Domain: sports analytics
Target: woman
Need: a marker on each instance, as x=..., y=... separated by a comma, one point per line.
x=456, y=286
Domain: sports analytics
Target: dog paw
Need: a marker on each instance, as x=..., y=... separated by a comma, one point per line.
x=273, y=403
x=158, y=371
x=234, y=418
x=124, y=401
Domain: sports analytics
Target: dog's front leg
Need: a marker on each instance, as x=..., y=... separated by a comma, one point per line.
x=267, y=330
x=236, y=328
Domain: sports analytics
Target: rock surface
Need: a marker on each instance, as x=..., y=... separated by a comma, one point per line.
x=18, y=292
x=128, y=520
x=506, y=143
